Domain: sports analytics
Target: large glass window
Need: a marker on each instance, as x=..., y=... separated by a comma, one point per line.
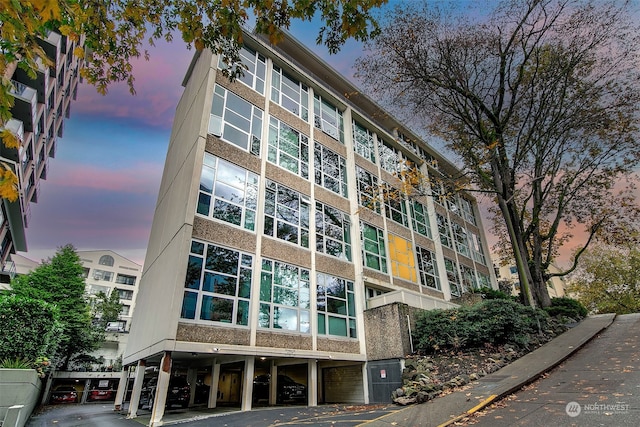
x=451, y=268
x=462, y=241
x=289, y=93
x=235, y=120
x=124, y=294
x=217, y=285
x=336, y=306
x=467, y=210
x=107, y=276
x=402, y=261
x=106, y=260
x=328, y=118
x=284, y=297
x=469, y=280
x=374, y=254
x=228, y=192
x=438, y=193
x=395, y=207
x=253, y=67
x=476, y=249
x=390, y=158
x=125, y=279
x=333, y=232
x=288, y=148
x=443, y=230
x=367, y=190
x=286, y=214
x=428, y=268
x=483, y=280
x=364, y=142
x=420, y=218
x=330, y=170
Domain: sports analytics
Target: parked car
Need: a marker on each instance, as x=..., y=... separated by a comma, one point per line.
x=64, y=394
x=178, y=393
x=287, y=390
x=103, y=391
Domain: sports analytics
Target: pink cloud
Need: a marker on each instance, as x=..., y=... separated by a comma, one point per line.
x=142, y=178
x=158, y=89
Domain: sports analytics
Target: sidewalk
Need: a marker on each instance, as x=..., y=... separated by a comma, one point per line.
x=445, y=410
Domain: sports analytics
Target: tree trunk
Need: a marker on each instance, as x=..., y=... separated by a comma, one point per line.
x=539, y=287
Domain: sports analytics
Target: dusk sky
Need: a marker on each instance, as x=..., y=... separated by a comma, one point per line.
x=101, y=188
x=102, y=185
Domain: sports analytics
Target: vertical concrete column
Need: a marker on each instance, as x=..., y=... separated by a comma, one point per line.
x=160, y=398
x=247, y=387
x=273, y=390
x=312, y=382
x=122, y=387
x=213, y=390
x=85, y=391
x=137, y=387
x=192, y=378
x=365, y=383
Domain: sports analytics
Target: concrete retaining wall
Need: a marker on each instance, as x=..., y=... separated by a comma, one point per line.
x=18, y=387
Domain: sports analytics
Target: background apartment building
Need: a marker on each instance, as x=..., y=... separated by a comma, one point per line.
x=40, y=107
x=270, y=242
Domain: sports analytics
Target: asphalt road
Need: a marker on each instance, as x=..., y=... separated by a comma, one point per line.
x=76, y=415
x=598, y=386
x=102, y=415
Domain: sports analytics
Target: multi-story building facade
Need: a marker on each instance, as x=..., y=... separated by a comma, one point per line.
x=106, y=271
x=40, y=107
x=509, y=282
x=272, y=237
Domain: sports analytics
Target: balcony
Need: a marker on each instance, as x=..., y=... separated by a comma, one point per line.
x=40, y=83
x=26, y=104
x=17, y=128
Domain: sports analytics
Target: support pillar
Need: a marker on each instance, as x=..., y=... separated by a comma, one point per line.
x=247, y=387
x=160, y=398
x=137, y=388
x=273, y=390
x=312, y=382
x=85, y=391
x=192, y=379
x=213, y=390
x=122, y=388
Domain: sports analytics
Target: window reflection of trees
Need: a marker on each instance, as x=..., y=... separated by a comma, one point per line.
x=286, y=214
x=219, y=271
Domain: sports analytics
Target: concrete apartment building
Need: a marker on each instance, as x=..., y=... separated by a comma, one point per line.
x=40, y=107
x=509, y=282
x=106, y=271
x=273, y=265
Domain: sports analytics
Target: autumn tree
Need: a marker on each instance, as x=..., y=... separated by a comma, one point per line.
x=59, y=281
x=114, y=33
x=608, y=280
x=539, y=101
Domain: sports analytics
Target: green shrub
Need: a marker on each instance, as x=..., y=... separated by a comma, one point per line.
x=566, y=307
x=29, y=328
x=494, y=322
x=18, y=363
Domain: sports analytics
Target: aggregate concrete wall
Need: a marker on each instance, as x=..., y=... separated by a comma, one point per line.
x=387, y=331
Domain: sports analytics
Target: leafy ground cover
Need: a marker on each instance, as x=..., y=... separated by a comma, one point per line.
x=445, y=362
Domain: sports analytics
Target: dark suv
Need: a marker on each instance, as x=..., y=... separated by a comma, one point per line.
x=287, y=389
x=178, y=393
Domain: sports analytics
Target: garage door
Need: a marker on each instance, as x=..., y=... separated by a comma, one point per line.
x=343, y=384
